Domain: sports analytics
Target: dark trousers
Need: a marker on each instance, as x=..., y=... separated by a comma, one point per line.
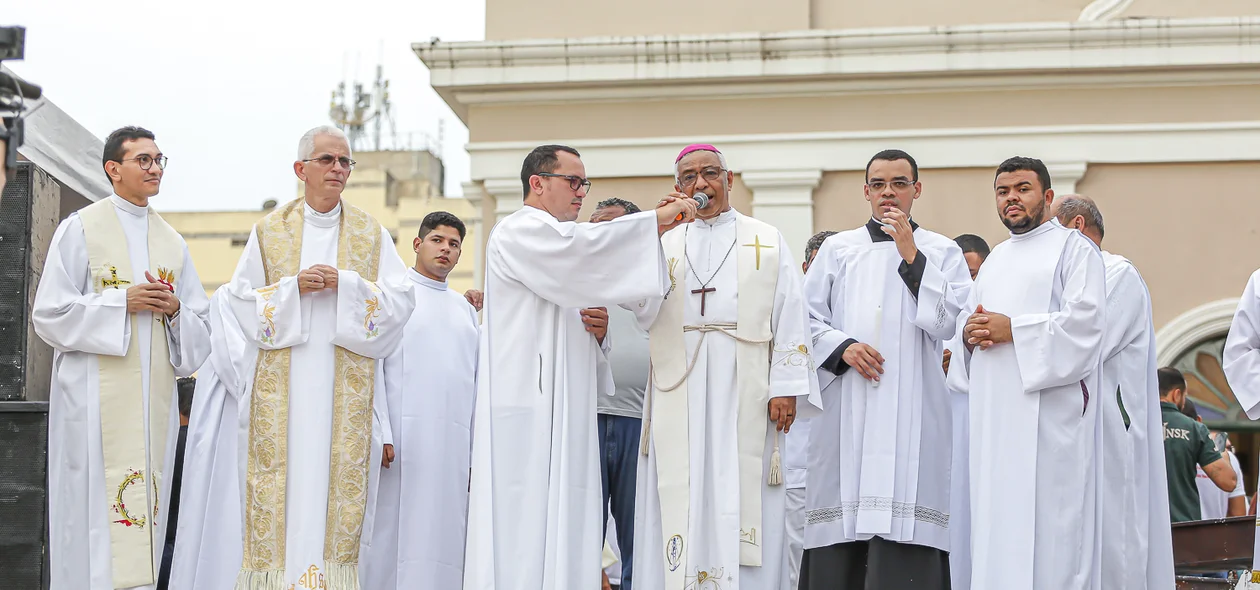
x=874, y=565
x=618, y=465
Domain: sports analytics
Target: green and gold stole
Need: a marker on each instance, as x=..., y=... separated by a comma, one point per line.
x=133, y=533
x=358, y=249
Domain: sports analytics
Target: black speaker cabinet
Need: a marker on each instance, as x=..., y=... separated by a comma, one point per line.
x=29, y=210
x=23, y=495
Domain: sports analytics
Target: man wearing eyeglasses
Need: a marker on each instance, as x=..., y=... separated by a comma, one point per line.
x=121, y=303
x=535, y=519
x=883, y=300
x=321, y=291
x=731, y=372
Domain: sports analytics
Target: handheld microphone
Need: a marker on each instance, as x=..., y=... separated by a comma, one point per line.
x=702, y=201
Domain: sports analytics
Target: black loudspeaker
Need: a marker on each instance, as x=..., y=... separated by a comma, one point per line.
x=23, y=495
x=29, y=210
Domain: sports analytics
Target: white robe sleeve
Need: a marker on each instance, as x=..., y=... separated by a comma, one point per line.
x=791, y=364
x=959, y=376
x=230, y=353
x=1126, y=302
x=371, y=316
x=581, y=265
x=1062, y=347
x=188, y=334
x=1241, y=358
x=270, y=316
x=393, y=369
x=942, y=293
x=68, y=314
x=824, y=272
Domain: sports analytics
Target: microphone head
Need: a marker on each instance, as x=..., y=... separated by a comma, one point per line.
x=702, y=200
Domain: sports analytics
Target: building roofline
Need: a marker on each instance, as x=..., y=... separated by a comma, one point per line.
x=528, y=70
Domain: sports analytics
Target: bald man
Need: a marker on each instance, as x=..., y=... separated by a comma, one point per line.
x=1136, y=538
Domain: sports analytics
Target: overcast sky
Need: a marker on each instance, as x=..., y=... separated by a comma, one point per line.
x=229, y=87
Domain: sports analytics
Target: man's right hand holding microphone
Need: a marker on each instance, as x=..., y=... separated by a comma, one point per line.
x=674, y=210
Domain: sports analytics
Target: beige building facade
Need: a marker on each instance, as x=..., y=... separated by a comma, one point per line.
x=1151, y=107
x=397, y=188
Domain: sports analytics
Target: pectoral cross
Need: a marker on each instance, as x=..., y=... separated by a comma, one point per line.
x=702, y=292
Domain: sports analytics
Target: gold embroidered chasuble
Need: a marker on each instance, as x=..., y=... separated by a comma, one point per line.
x=279, y=237
x=757, y=267
x=133, y=489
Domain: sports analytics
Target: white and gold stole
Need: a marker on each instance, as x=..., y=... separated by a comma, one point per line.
x=358, y=249
x=757, y=265
x=133, y=490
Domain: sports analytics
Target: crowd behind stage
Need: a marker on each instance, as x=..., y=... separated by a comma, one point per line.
x=666, y=396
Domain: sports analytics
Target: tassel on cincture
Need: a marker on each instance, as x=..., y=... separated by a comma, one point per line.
x=776, y=465
x=646, y=436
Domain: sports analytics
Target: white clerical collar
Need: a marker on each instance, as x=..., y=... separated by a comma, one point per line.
x=420, y=279
x=722, y=218
x=129, y=207
x=318, y=219
x=1041, y=229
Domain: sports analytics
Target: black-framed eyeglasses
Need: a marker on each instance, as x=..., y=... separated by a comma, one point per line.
x=710, y=175
x=575, y=182
x=328, y=160
x=897, y=185
x=145, y=161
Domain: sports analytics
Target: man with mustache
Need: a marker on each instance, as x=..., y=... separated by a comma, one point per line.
x=534, y=515
x=1137, y=540
x=883, y=298
x=121, y=303
x=731, y=371
x=1031, y=364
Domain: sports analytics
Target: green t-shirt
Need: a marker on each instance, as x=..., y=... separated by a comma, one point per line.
x=1186, y=442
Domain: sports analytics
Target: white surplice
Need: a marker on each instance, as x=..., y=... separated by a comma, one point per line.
x=422, y=502
x=1136, y=528
x=714, y=523
x=312, y=325
x=208, y=551
x=535, y=520
x=1033, y=413
x=1241, y=357
x=880, y=454
x=80, y=325
x=1241, y=362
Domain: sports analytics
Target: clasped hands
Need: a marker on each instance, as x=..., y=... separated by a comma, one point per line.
x=985, y=328
x=317, y=278
x=154, y=296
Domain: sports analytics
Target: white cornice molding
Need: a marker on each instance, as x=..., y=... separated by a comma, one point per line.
x=1070, y=146
x=1065, y=175
x=1100, y=10
x=1192, y=327
x=781, y=179
x=661, y=66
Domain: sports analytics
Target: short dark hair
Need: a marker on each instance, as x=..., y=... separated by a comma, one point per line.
x=544, y=158
x=1031, y=164
x=615, y=202
x=816, y=241
x=892, y=156
x=185, y=386
x=437, y=218
x=1170, y=379
x=973, y=243
x=114, y=150
x=1190, y=410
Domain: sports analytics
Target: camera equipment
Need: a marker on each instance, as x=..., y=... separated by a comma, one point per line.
x=14, y=92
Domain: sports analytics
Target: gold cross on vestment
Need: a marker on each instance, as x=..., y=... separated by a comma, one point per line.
x=114, y=281
x=757, y=245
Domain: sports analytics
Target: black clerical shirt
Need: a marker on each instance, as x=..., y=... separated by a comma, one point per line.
x=911, y=274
